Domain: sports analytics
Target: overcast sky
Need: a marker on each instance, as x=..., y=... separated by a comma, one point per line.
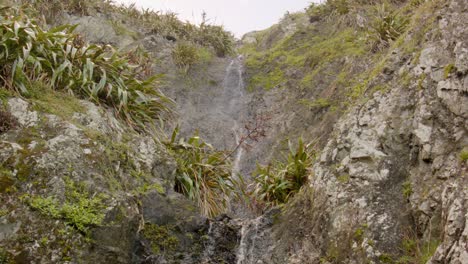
x=238, y=16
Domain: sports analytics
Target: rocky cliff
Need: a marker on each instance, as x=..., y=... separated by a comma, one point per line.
x=380, y=88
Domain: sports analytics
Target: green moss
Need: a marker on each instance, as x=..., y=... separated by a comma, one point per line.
x=161, y=239
x=80, y=209
x=421, y=81
x=205, y=55
x=449, y=69
x=59, y=103
x=6, y=180
x=405, y=79
x=407, y=189
x=268, y=81
x=187, y=55
x=386, y=258
x=303, y=50
x=344, y=178
x=3, y=212
x=358, y=235
x=316, y=104
x=5, y=257
x=464, y=155
x=146, y=188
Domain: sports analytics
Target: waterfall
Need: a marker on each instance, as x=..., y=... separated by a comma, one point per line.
x=234, y=105
x=248, y=234
x=243, y=235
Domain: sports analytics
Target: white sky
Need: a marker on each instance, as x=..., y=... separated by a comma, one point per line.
x=238, y=16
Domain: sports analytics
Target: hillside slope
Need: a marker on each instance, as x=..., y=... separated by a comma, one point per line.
x=94, y=168
x=390, y=184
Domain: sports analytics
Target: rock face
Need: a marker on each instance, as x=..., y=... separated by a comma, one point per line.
x=391, y=171
x=389, y=184
x=90, y=154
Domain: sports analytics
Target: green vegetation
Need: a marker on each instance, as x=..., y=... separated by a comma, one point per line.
x=330, y=7
x=203, y=173
x=48, y=100
x=386, y=27
x=320, y=103
x=6, y=180
x=80, y=209
x=307, y=51
x=186, y=55
x=3, y=213
x=449, y=69
x=4, y=256
x=464, y=155
x=275, y=183
x=58, y=58
x=344, y=178
x=145, y=188
x=4, y=95
x=417, y=252
x=160, y=238
x=205, y=34
x=407, y=189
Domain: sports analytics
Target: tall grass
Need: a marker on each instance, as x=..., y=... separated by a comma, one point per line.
x=386, y=27
x=275, y=183
x=157, y=22
x=203, y=173
x=60, y=59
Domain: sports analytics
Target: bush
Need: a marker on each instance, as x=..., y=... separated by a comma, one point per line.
x=185, y=56
x=216, y=37
x=203, y=173
x=274, y=184
x=58, y=58
x=386, y=27
x=163, y=24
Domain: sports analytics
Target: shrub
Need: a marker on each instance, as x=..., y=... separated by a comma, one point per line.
x=386, y=27
x=56, y=57
x=164, y=24
x=274, y=184
x=203, y=173
x=185, y=56
x=217, y=37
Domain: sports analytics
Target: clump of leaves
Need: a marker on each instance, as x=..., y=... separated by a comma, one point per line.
x=203, y=173
x=275, y=183
x=58, y=58
x=215, y=36
x=185, y=56
x=386, y=27
x=80, y=209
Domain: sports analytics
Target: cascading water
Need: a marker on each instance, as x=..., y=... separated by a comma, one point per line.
x=234, y=240
x=234, y=105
